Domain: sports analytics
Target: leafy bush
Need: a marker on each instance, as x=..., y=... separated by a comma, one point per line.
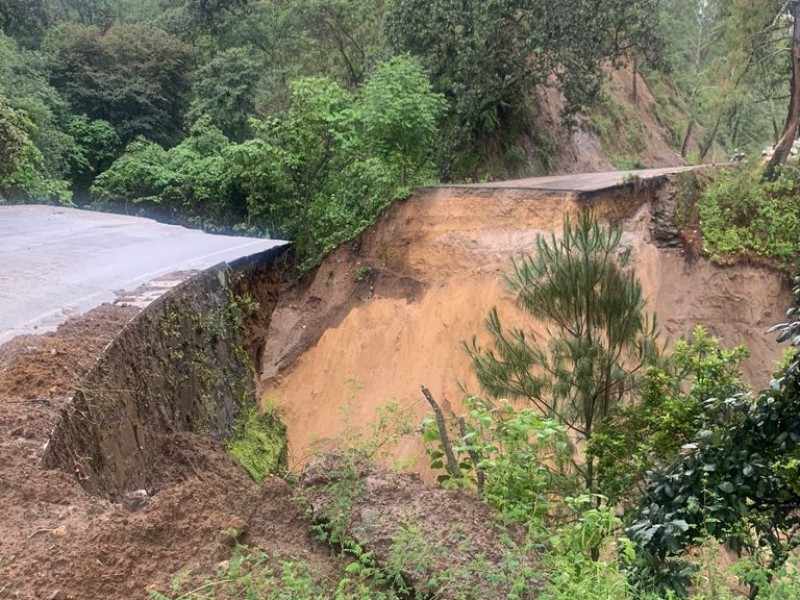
x=193, y=180
x=741, y=213
x=639, y=438
x=735, y=481
x=259, y=444
x=518, y=459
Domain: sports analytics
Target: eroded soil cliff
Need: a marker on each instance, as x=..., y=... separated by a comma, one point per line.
x=389, y=313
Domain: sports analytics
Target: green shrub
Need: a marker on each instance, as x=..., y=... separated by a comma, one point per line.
x=251, y=573
x=260, y=444
x=741, y=213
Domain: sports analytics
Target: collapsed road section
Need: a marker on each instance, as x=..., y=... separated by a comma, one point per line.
x=184, y=363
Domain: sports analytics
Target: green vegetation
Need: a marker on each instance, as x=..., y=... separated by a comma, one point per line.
x=250, y=573
x=259, y=443
x=742, y=214
x=621, y=132
x=693, y=467
x=600, y=339
x=304, y=118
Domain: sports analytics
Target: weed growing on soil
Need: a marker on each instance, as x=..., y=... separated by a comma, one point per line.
x=259, y=444
x=393, y=422
x=251, y=573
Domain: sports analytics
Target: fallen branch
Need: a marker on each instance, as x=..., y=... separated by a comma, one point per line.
x=452, y=463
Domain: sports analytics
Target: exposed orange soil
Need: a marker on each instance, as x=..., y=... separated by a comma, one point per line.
x=381, y=318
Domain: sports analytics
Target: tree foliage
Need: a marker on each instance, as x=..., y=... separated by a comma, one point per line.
x=639, y=438
x=334, y=159
x=24, y=20
x=133, y=76
x=316, y=173
x=486, y=56
x=599, y=337
x=736, y=480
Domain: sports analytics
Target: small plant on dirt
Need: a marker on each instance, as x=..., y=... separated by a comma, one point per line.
x=343, y=489
x=632, y=178
x=393, y=422
x=582, y=554
x=254, y=575
x=363, y=273
x=259, y=443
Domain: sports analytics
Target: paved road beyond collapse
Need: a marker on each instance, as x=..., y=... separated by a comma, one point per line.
x=58, y=262
x=584, y=182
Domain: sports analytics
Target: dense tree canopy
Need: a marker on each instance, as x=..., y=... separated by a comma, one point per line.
x=89, y=77
x=133, y=76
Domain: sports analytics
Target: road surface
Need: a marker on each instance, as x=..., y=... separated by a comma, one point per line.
x=588, y=182
x=58, y=262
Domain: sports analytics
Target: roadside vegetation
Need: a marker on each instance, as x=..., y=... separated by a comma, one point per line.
x=743, y=214
x=304, y=118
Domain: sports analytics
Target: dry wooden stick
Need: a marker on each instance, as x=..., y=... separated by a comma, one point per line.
x=452, y=463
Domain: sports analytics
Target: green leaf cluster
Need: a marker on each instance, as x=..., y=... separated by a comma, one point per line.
x=317, y=173
x=740, y=214
x=639, y=438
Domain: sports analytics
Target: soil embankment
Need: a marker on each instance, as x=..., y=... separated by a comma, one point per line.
x=390, y=312
x=60, y=541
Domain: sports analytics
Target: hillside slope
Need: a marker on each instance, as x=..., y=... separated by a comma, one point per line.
x=390, y=312
x=618, y=132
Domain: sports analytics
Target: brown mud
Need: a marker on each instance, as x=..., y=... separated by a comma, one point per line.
x=59, y=542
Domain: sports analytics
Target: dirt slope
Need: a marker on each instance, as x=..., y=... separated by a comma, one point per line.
x=580, y=149
x=59, y=543
x=389, y=313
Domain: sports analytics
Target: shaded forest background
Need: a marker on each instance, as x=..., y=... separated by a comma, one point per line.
x=303, y=118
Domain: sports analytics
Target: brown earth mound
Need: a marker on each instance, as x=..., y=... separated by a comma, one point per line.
x=58, y=542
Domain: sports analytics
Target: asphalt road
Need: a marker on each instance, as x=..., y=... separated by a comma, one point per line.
x=589, y=182
x=58, y=262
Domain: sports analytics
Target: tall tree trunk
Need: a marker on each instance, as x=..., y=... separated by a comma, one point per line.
x=687, y=137
x=635, y=89
x=712, y=136
x=784, y=146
